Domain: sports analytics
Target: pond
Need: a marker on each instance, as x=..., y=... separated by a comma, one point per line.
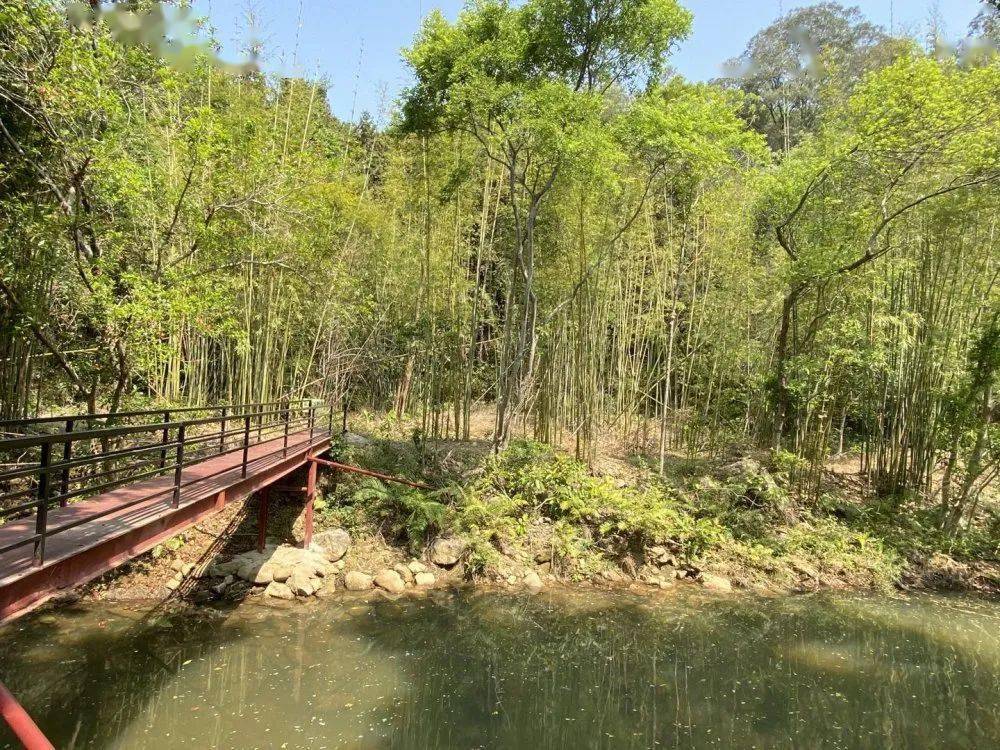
x=493, y=670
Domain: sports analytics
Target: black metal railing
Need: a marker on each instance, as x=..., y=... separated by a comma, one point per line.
x=52, y=461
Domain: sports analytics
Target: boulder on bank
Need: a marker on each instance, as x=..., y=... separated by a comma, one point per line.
x=300, y=570
x=543, y=555
x=277, y=590
x=355, y=580
x=253, y=569
x=301, y=583
x=334, y=543
x=713, y=582
x=184, y=568
x=447, y=551
x=424, y=579
x=404, y=572
x=354, y=439
x=391, y=581
x=661, y=555
x=532, y=581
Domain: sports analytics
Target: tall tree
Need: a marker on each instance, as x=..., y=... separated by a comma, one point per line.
x=528, y=83
x=787, y=66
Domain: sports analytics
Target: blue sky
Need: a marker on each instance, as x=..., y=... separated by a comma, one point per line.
x=355, y=45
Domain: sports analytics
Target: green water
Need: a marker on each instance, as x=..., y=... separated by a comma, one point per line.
x=495, y=671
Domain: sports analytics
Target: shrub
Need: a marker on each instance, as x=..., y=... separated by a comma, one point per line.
x=533, y=477
x=410, y=513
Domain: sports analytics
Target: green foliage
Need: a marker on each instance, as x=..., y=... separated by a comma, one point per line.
x=812, y=52
x=555, y=226
x=534, y=477
x=409, y=514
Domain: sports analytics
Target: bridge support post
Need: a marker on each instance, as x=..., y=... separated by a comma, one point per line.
x=265, y=497
x=310, y=496
x=41, y=517
x=67, y=455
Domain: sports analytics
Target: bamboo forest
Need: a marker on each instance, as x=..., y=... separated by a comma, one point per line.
x=559, y=323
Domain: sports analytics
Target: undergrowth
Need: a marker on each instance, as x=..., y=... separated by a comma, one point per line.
x=738, y=519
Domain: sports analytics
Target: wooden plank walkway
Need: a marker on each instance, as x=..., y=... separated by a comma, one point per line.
x=81, y=553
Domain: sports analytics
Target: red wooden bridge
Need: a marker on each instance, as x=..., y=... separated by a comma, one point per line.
x=80, y=495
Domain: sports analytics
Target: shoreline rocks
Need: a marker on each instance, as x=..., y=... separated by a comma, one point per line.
x=355, y=580
x=334, y=543
x=391, y=581
x=713, y=582
x=424, y=579
x=533, y=582
x=447, y=551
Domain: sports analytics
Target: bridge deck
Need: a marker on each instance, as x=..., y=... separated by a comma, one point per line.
x=95, y=546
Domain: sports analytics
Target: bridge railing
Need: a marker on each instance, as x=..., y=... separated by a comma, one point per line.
x=53, y=461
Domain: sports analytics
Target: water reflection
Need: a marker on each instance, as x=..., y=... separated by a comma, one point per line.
x=485, y=670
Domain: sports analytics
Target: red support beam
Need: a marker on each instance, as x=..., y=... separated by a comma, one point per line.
x=23, y=726
x=369, y=473
x=265, y=496
x=310, y=497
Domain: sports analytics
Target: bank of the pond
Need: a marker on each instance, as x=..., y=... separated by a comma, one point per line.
x=532, y=517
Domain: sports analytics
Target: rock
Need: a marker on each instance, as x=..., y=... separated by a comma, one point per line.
x=713, y=582
x=278, y=591
x=281, y=572
x=353, y=438
x=220, y=588
x=416, y=566
x=227, y=568
x=661, y=555
x=247, y=570
x=543, y=556
x=264, y=575
x=545, y=568
x=391, y=581
x=424, y=579
x=648, y=572
x=357, y=581
x=532, y=581
x=404, y=572
x=300, y=583
x=666, y=583
x=174, y=583
x=803, y=568
x=305, y=569
x=316, y=569
x=447, y=551
x=511, y=579
x=328, y=589
x=340, y=565
x=183, y=568
x=334, y=543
